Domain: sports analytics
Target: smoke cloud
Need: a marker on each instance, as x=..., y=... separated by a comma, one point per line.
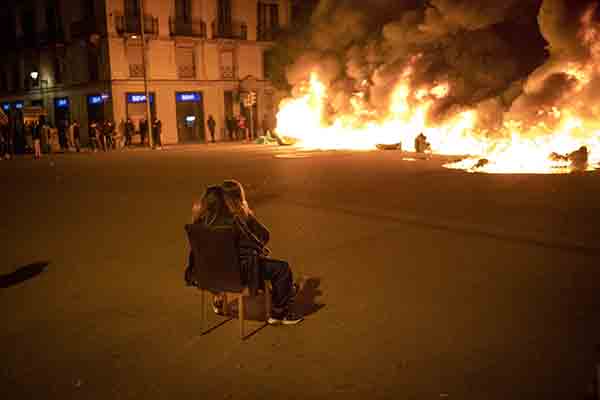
x=500, y=57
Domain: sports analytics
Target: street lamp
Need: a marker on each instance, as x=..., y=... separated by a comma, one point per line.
x=144, y=61
x=34, y=75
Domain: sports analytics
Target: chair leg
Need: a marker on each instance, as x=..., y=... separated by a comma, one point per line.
x=241, y=314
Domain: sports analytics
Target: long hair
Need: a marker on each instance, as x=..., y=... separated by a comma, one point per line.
x=235, y=200
x=209, y=207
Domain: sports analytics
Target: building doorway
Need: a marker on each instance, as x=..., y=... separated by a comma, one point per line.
x=190, y=117
x=98, y=107
x=61, y=112
x=136, y=108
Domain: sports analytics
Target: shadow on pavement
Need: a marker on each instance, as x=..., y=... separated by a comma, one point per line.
x=305, y=303
x=22, y=274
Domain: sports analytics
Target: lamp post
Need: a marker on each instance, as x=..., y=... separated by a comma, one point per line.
x=148, y=112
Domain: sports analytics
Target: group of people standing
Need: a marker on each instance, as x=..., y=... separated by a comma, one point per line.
x=41, y=136
x=106, y=136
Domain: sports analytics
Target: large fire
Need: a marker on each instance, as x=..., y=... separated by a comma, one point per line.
x=548, y=146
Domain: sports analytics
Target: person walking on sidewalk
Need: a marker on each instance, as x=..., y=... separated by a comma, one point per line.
x=211, y=127
x=36, y=134
x=76, y=136
x=129, y=128
x=230, y=123
x=156, y=133
x=143, y=130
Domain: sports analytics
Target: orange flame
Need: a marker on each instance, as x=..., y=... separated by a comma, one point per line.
x=513, y=149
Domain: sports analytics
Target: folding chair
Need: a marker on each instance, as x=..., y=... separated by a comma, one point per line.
x=217, y=269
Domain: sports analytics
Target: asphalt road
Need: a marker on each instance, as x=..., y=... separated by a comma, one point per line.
x=419, y=282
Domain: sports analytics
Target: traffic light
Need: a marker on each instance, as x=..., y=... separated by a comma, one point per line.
x=252, y=98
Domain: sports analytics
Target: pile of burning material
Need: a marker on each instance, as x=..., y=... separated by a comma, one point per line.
x=575, y=161
x=509, y=82
x=393, y=146
x=578, y=159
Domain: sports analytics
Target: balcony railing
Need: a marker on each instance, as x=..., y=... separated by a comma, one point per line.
x=187, y=27
x=235, y=30
x=86, y=27
x=130, y=24
x=267, y=33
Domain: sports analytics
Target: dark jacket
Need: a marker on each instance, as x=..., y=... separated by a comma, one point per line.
x=253, y=238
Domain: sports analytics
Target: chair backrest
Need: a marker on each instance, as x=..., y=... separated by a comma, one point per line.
x=216, y=257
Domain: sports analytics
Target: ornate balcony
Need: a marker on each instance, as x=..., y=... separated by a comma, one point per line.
x=131, y=24
x=267, y=33
x=194, y=27
x=234, y=30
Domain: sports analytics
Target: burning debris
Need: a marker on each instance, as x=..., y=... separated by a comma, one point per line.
x=393, y=146
x=508, y=81
x=578, y=158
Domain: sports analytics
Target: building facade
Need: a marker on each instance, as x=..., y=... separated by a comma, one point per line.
x=84, y=60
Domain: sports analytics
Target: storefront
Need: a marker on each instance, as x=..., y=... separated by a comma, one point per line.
x=62, y=114
x=136, y=107
x=190, y=117
x=98, y=107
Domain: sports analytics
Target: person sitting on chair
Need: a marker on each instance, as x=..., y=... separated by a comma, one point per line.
x=255, y=264
x=206, y=211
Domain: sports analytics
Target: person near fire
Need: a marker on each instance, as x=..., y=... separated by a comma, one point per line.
x=255, y=262
x=226, y=205
x=421, y=144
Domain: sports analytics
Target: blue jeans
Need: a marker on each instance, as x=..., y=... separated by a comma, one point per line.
x=278, y=272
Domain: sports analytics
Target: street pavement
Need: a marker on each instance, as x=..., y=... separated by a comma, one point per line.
x=418, y=281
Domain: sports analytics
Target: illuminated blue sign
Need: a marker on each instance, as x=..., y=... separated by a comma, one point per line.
x=138, y=98
x=62, y=102
x=97, y=99
x=193, y=97
x=18, y=105
x=6, y=106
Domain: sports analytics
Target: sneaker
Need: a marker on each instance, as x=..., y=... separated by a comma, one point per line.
x=287, y=319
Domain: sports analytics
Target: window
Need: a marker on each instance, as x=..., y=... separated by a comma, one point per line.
x=224, y=26
x=28, y=25
x=59, y=68
x=93, y=63
x=89, y=9
x=3, y=81
x=183, y=10
x=268, y=20
x=132, y=7
x=16, y=77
